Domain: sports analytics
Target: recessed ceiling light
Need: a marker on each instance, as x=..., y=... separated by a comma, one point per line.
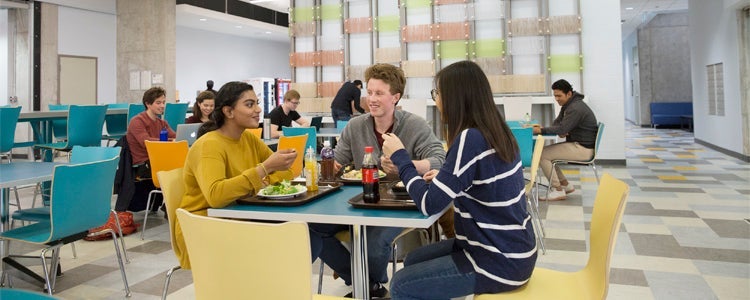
x=202, y=19
x=628, y=8
x=238, y=26
x=268, y=32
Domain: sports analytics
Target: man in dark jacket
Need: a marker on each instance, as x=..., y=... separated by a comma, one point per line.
x=346, y=101
x=577, y=124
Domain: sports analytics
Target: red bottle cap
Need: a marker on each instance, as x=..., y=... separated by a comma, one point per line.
x=368, y=149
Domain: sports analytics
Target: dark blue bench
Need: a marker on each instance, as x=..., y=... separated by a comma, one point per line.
x=670, y=113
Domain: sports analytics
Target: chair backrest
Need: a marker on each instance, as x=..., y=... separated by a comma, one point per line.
x=174, y=114
x=173, y=187
x=279, y=269
x=516, y=107
x=8, y=121
x=312, y=136
x=599, y=133
x=298, y=144
x=133, y=110
x=85, y=123
x=165, y=156
x=187, y=132
x=609, y=206
x=258, y=132
x=19, y=294
x=535, y=159
x=525, y=140
x=60, y=126
x=81, y=197
x=81, y=154
x=316, y=122
x=341, y=124
x=116, y=124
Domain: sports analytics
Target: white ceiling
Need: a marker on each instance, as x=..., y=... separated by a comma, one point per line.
x=633, y=13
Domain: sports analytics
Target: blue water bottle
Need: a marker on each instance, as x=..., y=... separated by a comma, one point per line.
x=163, y=134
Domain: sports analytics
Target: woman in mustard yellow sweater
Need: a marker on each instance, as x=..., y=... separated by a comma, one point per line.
x=228, y=162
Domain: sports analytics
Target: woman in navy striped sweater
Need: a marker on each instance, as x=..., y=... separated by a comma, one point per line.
x=494, y=249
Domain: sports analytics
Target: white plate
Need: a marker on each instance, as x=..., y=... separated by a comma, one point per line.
x=300, y=190
x=383, y=175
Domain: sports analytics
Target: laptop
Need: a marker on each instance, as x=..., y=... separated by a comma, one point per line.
x=316, y=122
x=187, y=132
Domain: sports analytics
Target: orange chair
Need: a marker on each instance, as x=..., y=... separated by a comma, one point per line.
x=163, y=156
x=257, y=132
x=298, y=144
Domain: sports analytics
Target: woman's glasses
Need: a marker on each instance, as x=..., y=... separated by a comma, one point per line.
x=434, y=94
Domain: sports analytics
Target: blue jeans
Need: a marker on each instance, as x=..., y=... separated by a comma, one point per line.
x=340, y=115
x=324, y=244
x=430, y=273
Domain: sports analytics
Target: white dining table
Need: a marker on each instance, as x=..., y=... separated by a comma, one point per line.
x=334, y=208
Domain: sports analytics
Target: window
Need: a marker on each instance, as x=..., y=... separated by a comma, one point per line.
x=715, y=89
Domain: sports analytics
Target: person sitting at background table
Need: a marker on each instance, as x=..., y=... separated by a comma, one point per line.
x=577, y=124
x=228, y=162
x=284, y=114
x=385, y=85
x=204, y=105
x=144, y=126
x=495, y=247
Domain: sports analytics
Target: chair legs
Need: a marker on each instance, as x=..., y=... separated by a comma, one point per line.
x=169, y=277
x=119, y=261
x=122, y=237
x=148, y=208
x=320, y=276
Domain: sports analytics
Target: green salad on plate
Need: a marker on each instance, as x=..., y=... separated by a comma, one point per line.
x=282, y=188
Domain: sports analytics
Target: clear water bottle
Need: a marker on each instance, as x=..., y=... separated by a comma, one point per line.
x=326, y=162
x=311, y=170
x=527, y=119
x=164, y=134
x=370, y=177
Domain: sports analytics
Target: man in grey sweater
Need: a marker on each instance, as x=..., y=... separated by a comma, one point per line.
x=385, y=85
x=577, y=124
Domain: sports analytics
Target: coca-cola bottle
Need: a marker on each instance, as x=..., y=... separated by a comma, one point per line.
x=370, y=177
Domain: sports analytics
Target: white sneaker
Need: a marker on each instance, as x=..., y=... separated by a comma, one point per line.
x=568, y=188
x=554, y=195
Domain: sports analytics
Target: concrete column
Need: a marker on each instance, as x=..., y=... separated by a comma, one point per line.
x=49, y=79
x=145, y=42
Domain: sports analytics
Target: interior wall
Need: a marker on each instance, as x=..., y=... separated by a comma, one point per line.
x=93, y=34
x=714, y=39
x=204, y=55
x=4, y=57
x=629, y=83
x=664, y=68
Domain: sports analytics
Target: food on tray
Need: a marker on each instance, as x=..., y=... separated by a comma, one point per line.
x=357, y=174
x=282, y=188
x=399, y=184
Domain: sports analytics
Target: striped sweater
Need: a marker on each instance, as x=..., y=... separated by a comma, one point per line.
x=494, y=234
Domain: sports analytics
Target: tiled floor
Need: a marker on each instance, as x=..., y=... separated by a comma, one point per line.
x=685, y=233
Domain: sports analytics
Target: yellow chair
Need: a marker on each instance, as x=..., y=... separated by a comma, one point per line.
x=298, y=144
x=256, y=132
x=173, y=187
x=532, y=191
x=260, y=261
x=163, y=156
x=592, y=281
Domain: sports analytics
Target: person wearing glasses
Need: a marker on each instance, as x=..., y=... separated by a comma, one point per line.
x=284, y=114
x=495, y=247
x=385, y=86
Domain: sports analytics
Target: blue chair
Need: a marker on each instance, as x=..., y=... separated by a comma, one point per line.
x=79, y=155
x=59, y=127
x=341, y=124
x=133, y=110
x=175, y=113
x=312, y=138
x=8, y=121
x=74, y=186
x=525, y=140
x=85, y=123
x=17, y=294
x=117, y=125
x=513, y=124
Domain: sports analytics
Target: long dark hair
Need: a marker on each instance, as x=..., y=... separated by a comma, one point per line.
x=228, y=95
x=199, y=100
x=467, y=102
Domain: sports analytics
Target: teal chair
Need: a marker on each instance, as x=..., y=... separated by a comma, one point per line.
x=133, y=110
x=175, y=113
x=85, y=123
x=341, y=124
x=75, y=206
x=117, y=125
x=525, y=139
x=17, y=294
x=79, y=155
x=312, y=138
x=513, y=124
x=59, y=127
x=8, y=121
